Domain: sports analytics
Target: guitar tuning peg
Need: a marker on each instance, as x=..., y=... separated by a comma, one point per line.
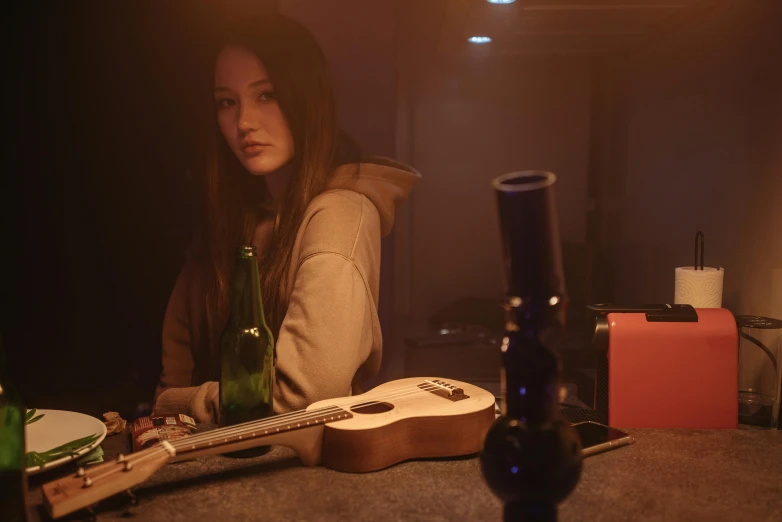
x=132, y=498
x=89, y=515
x=130, y=504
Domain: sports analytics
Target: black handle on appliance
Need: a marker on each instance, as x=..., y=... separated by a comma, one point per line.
x=603, y=309
x=655, y=313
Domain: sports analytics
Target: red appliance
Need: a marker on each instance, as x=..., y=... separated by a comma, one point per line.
x=666, y=366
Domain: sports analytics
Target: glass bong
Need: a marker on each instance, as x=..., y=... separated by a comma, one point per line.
x=531, y=457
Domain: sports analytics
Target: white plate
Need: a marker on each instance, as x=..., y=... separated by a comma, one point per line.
x=59, y=427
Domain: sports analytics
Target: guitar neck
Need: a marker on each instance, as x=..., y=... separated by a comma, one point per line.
x=300, y=430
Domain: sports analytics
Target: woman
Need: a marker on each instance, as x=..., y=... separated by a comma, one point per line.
x=283, y=178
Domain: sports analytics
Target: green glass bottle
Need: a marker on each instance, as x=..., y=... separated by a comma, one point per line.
x=246, y=351
x=13, y=480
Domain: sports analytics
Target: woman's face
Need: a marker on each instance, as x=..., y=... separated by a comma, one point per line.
x=248, y=114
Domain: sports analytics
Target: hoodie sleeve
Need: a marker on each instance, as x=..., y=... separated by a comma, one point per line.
x=177, y=336
x=174, y=394
x=330, y=338
x=327, y=334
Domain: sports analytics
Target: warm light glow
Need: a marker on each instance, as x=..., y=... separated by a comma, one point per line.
x=479, y=39
x=500, y=1
x=553, y=301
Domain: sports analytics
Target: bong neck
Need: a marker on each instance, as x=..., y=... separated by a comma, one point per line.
x=538, y=313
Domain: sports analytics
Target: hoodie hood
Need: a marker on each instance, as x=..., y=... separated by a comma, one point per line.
x=385, y=182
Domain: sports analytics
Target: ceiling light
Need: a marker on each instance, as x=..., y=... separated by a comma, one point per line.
x=479, y=39
x=500, y=1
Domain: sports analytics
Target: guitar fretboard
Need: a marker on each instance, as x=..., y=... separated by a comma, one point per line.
x=262, y=428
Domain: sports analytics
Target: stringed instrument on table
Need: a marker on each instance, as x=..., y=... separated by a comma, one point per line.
x=396, y=421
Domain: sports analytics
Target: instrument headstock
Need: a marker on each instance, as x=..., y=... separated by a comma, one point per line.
x=90, y=485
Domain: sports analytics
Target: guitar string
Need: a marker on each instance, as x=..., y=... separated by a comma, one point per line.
x=278, y=421
x=265, y=426
x=269, y=424
x=159, y=450
x=206, y=437
x=291, y=417
x=425, y=386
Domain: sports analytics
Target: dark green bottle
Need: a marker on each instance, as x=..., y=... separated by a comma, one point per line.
x=13, y=480
x=246, y=351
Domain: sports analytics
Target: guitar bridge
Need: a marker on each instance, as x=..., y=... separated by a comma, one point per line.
x=444, y=390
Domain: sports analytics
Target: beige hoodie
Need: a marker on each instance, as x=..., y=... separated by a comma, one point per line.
x=330, y=339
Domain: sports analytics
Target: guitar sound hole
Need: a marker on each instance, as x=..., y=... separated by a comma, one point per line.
x=368, y=408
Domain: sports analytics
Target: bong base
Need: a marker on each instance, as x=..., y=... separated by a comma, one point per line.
x=529, y=512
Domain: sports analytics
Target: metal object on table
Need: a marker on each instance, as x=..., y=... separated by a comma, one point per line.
x=760, y=374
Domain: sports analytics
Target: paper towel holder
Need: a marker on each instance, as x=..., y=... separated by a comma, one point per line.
x=699, y=241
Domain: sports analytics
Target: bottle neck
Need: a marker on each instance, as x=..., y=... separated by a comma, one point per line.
x=246, y=307
x=4, y=370
x=8, y=393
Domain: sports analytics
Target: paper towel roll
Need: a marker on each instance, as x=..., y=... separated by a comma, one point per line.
x=699, y=288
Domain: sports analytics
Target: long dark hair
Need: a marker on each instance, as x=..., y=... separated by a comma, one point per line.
x=299, y=74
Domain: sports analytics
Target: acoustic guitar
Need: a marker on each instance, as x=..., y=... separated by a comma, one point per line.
x=396, y=421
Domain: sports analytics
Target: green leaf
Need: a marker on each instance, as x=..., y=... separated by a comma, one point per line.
x=69, y=449
x=35, y=419
x=34, y=459
x=29, y=414
x=91, y=457
x=74, y=444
